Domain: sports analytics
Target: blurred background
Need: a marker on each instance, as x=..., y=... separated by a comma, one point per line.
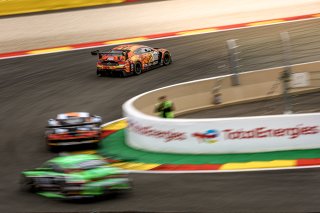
x=36, y=88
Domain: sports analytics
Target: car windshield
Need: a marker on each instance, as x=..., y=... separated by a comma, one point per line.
x=50, y=167
x=90, y=164
x=73, y=120
x=88, y=127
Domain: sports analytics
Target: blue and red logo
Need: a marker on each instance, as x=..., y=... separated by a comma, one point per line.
x=210, y=136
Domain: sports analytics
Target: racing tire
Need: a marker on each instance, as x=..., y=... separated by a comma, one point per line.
x=52, y=149
x=49, y=147
x=28, y=184
x=124, y=192
x=99, y=73
x=138, y=68
x=62, y=189
x=166, y=59
x=124, y=74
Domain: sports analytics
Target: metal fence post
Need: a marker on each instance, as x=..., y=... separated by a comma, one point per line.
x=233, y=61
x=286, y=74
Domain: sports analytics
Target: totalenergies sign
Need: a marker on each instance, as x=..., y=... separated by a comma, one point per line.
x=149, y=131
x=210, y=136
x=264, y=132
x=225, y=135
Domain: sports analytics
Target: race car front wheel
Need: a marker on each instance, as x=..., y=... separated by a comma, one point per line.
x=138, y=69
x=166, y=59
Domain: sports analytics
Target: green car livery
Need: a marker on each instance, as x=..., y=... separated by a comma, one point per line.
x=75, y=176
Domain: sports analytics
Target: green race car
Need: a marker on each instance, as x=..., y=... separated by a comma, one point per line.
x=75, y=176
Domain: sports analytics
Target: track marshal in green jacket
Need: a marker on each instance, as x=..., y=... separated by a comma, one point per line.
x=165, y=108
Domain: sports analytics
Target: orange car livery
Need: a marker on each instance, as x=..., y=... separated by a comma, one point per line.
x=131, y=59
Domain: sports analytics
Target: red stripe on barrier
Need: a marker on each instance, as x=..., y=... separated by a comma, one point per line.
x=308, y=162
x=187, y=167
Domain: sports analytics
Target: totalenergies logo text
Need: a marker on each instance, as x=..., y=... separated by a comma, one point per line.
x=167, y=135
x=264, y=132
x=210, y=136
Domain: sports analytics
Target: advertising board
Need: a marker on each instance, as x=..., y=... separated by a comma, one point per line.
x=225, y=135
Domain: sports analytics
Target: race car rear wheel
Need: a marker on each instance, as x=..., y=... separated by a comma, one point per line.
x=124, y=74
x=99, y=74
x=51, y=148
x=138, y=69
x=166, y=59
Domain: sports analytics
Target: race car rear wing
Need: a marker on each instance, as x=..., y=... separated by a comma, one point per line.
x=97, y=52
x=73, y=125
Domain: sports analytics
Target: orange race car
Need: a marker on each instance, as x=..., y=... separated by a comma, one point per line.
x=131, y=59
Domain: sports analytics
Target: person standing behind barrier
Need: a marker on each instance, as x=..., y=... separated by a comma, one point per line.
x=164, y=108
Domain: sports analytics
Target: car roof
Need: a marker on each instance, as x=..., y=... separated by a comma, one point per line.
x=73, y=114
x=131, y=47
x=73, y=160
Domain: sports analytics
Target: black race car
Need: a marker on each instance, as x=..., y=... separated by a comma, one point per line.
x=73, y=128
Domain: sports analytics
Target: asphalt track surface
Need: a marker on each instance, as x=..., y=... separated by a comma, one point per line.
x=34, y=89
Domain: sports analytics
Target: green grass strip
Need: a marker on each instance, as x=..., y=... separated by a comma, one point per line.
x=114, y=146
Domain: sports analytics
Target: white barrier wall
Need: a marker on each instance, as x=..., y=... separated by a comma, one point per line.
x=222, y=135
x=226, y=135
